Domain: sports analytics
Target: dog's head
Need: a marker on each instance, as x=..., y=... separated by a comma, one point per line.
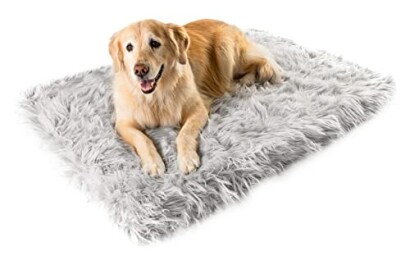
x=147, y=50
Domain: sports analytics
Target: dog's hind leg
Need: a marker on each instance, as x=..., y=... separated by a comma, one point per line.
x=256, y=67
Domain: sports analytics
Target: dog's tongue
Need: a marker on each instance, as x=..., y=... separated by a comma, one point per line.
x=146, y=85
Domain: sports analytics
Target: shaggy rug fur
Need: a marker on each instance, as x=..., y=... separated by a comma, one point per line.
x=252, y=134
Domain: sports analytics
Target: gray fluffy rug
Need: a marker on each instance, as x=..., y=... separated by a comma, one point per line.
x=255, y=133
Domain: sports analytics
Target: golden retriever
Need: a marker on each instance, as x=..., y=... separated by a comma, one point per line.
x=168, y=75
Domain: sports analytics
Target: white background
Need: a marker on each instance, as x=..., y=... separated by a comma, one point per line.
x=343, y=210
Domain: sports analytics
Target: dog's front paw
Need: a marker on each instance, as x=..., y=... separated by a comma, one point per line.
x=188, y=161
x=154, y=166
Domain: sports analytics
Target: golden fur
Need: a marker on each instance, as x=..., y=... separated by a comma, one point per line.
x=201, y=61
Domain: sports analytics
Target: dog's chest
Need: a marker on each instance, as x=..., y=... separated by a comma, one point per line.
x=156, y=115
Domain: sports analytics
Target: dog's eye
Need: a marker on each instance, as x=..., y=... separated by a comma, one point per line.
x=154, y=44
x=129, y=47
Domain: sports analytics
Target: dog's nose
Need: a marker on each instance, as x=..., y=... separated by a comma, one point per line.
x=141, y=70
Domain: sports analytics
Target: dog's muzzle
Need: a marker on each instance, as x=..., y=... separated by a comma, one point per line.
x=149, y=85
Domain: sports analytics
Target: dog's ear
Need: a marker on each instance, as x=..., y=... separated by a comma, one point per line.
x=116, y=52
x=181, y=40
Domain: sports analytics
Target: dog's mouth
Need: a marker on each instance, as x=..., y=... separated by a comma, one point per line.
x=148, y=85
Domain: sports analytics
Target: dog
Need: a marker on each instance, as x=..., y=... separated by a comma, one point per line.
x=169, y=75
